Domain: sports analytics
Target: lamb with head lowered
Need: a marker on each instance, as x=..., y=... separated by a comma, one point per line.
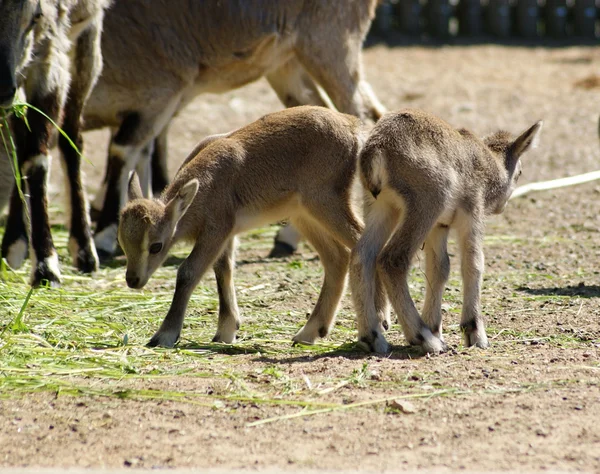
x=298, y=164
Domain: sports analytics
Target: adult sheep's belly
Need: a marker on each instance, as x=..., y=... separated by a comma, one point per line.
x=234, y=69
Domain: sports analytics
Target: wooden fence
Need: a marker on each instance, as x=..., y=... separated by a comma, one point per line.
x=529, y=19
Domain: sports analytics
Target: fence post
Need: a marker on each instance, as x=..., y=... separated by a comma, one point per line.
x=438, y=17
x=498, y=16
x=469, y=17
x=585, y=18
x=409, y=12
x=556, y=18
x=528, y=13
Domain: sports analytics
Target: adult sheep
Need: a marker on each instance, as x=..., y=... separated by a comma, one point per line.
x=159, y=55
x=50, y=49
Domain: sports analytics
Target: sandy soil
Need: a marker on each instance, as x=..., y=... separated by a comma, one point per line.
x=526, y=406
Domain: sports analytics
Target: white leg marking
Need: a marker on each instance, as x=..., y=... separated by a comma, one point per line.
x=38, y=161
x=106, y=239
x=51, y=264
x=16, y=254
x=288, y=235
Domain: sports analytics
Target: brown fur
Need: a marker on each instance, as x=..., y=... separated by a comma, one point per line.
x=299, y=164
x=425, y=177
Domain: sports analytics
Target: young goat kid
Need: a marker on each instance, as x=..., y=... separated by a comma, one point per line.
x=422, y=178
x=299, y=163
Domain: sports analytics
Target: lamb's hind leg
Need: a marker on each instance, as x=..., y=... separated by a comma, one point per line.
x=335, y=258
x=229, y=318
x=85, y=67
x=395, y=261
x=437, y=269
x=368, y=295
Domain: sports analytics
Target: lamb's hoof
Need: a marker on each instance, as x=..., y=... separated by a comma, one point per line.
x=281, y=249
x=434, y=346
x=163, y=339
x=474, y=335
x=375, y=342
x=477, y=340
x=224, y=339
x=303, y=340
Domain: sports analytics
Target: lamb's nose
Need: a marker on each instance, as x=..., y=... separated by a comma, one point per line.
x=132, y=281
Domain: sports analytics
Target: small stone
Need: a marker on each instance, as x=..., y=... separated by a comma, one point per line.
x=403, y=406
x=375, y=376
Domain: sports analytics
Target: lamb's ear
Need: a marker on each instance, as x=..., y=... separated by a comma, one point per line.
x=528, y=139
x=134, y=189
x=179, y=205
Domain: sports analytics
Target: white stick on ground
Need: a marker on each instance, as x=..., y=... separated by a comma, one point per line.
x=556, y=183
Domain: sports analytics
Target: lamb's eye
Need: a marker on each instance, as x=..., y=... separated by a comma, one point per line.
x=155, y=248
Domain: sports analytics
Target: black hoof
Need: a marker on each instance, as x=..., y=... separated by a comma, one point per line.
x=152, y=342
x=155, y=341
x=281, y=249
x=86, y=262
x=44, y=277
x=105, y=256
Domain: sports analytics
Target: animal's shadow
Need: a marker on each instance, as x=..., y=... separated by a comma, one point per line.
x=349, y=350
x=580, y=290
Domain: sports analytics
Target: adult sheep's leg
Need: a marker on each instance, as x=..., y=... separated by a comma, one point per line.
x=335, y=62
x=136, y=132
x=7, y=178
x=85, y=67
x=294, y=86
x=46, y=89
x=159, y=164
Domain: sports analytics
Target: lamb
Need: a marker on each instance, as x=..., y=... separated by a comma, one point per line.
x=422, y=178
x=52, y=50
x=299, y=163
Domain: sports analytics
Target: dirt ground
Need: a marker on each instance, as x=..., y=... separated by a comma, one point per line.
x=529, y=403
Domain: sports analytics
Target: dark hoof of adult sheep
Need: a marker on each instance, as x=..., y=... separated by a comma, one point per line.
x=281, y=249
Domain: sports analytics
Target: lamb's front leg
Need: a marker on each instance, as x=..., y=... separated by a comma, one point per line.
x=472, y=264
x=204, y=254
x=229, y=318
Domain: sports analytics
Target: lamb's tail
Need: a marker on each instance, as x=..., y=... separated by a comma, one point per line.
x=372, y=169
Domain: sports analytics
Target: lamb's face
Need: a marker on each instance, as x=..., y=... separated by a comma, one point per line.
x=145, y=234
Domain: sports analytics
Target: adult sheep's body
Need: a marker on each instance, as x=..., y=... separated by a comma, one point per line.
x=158, y=56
